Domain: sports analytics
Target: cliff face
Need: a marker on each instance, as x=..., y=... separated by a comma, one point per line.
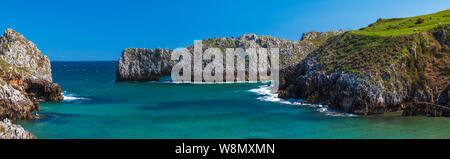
x=12, y=131
x=150, y=65
x=144, y=64
x=24, y=55
x=25, y=77
x=366, y=74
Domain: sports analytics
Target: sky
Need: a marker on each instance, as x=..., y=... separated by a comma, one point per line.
x=98, y=30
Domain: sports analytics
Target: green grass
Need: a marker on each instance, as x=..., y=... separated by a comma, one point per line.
x=373, y=55
x=404, y=26
x=2, y=83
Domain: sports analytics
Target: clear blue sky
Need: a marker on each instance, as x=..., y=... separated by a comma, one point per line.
x=80, y=30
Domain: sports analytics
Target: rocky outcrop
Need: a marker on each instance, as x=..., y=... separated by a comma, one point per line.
x=371, y=75
x=426, y=109
x=444, y=98
x=150, y=65
x=23, y=55
x=15, y=104
x=290, y=51
x=43, y=90
x=12, y=131
x=25, y=77
x=343, y=91
x=313, y=35
x=144, y=64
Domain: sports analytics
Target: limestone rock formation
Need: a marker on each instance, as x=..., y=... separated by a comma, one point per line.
x=25, y=77
x=426, y=109
x=144, y=64
x=366, y=75
x=24, y=56
x=150, y=65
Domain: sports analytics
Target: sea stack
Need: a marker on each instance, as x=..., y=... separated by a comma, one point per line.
x=25, y=78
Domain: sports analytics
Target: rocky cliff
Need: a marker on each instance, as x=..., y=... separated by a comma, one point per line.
x=25, y=77
x=394, y=64
x=149, y=65
x=144, y=64
x=12, y=131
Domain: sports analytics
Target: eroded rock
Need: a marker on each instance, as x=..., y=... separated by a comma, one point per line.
x=12, y=131
x=25, y=77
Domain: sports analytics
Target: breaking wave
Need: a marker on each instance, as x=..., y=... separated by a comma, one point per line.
x=69, y=97
x=267, y=96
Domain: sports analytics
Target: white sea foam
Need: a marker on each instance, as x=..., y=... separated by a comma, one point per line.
x=267, y=96
x=210, y=83
x=71, y=97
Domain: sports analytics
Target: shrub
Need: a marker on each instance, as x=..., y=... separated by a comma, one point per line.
x=420, y=20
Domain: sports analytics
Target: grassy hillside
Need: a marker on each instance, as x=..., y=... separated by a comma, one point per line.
x=395, y=51
x=394, y=64
x=402, y=26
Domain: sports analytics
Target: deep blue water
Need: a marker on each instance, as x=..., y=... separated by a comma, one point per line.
x=96, y=106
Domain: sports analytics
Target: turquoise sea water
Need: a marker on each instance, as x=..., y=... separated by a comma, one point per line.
x=97, y=107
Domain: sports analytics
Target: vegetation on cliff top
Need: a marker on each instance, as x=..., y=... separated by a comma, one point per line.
x=13, y=49
x=416, y=48
x=402, y=26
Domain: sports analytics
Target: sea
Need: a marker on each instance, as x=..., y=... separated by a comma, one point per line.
x=95, y=106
